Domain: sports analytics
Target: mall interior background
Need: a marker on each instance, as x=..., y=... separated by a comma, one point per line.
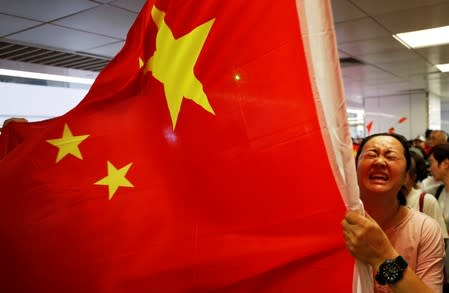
x=384, y=80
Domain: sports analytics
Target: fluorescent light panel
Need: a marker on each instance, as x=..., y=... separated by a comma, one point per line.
x=424, y=38
x=443, y=67
x=44, y=76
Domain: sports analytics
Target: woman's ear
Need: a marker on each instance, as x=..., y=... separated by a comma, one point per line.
x=445, y=164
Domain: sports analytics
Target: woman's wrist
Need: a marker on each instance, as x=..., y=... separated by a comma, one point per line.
x=380, y=260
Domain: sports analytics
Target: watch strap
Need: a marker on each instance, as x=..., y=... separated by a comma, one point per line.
x=400, y=261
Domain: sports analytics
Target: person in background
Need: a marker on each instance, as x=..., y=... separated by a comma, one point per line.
x=13, y=119
x=421, y=201
x=10, y=139
x=426, y=203
x=418, y=145
x=421, y=167
x=430, y=184
x=404, y=247
x=427, y=141
x=439, y=168
x=437, y=137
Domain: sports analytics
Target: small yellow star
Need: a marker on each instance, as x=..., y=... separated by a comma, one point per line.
x=68, y=144
x=173, y=64
x=115, y=179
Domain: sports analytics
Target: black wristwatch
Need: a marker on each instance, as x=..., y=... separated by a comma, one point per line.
x=391, y=271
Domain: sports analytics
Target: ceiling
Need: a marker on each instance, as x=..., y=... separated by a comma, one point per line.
x=85, y=35
x=364, y=31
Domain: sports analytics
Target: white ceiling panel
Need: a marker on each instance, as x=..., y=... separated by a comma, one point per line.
x=105, y=20
x=364, y=32
x=133, y=5
x=44, y=10
x=416, y=19
x=360, y=29
x=364, y=72
x=10, y=24
x=360, y=48
x=374, y=7
x=391, y=56
x=343, y=10
x=109, y=50
x=409, y=69
x=62, y=38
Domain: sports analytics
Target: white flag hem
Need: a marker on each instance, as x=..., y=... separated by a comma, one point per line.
x=321, y=51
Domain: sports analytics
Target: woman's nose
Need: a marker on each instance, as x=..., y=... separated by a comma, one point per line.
x=380, y=161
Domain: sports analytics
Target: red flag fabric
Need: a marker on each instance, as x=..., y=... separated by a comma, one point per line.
x=196, y=163
x=402, y=119
x=369, y=126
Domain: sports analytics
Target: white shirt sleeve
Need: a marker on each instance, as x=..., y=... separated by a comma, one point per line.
x=432, y=208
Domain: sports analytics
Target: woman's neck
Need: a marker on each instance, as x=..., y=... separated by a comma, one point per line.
x=446, y=182
x=386, y=213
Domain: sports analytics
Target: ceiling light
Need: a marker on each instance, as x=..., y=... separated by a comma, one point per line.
x=424, y=38
x=44, y=76
x=443, y=67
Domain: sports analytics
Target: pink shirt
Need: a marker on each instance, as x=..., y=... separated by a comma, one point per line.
x=419, y=240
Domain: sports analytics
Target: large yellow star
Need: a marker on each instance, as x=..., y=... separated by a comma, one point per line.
x=68, y=144
x=173, y=62
x=115, y=179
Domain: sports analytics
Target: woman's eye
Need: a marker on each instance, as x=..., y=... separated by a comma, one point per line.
x=392, y=158
x=370, y=155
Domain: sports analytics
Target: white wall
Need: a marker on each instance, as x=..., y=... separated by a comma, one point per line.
x=434, y=112
x=445, y=115
x=386, y=111
x=36, y=102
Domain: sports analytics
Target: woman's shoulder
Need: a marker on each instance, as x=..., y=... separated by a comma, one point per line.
x=417, y=230
x=416, y=216
x=423, y=222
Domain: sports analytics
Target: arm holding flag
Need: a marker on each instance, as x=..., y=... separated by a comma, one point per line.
x=367, y=242
x=10, y=137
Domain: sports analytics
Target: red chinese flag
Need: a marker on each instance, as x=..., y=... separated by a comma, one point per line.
x=196, y=163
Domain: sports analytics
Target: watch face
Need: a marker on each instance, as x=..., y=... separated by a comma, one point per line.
x=391, y=272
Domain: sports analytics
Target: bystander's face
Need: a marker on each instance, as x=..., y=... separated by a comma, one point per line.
x=437, y=137
x=381, y=168
x=419, y=144
x=436, y=168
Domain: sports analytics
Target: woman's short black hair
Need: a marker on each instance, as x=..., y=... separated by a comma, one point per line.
x=420, y=166
x=440, y=152
x=427, y=133
x=405, y=146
